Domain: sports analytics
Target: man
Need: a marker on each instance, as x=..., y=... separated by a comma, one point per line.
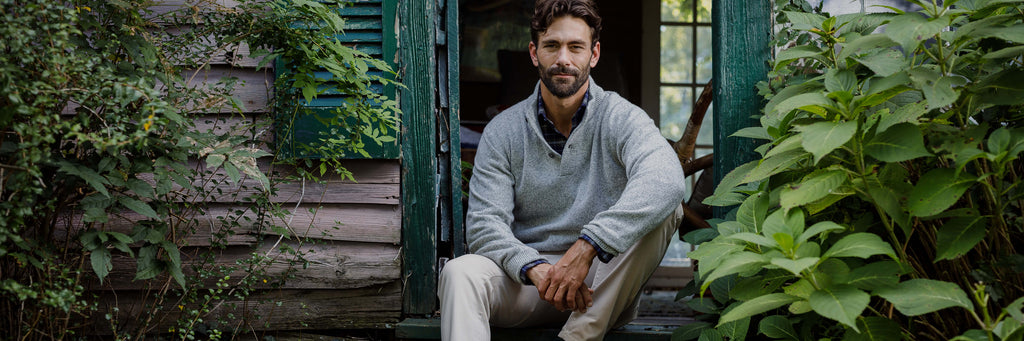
x=570, y=174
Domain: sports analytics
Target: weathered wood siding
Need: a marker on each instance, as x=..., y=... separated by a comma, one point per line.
x=352, y=277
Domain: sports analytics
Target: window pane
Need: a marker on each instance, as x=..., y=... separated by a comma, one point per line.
x=677, y=10
x=705, y=137
x=703, y=54
x=704, y=11
x=676, y=105
x=677, y=54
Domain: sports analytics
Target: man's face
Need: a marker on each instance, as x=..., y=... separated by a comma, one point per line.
x=563, y=55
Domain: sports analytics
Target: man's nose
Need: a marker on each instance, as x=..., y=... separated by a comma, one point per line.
x=563, y=57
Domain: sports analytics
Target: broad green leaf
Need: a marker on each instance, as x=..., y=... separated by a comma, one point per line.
x=756, y=306
x=840, y=80
x=95, y=180
x=1008, y=329
x=1013, y=33
x=819, y=228
x=861, y=245
x=141, y=188
x=875, y=329
x=703, y=305
x=865, y=44
x=1009, y=52
x=959, y=235
x=698, y=236
x=734, y=330
x=921, y=296
x=910, y=29
x=972, y=335
x=805, y=21
x=138, y=206
x=884, y=62
x=774, y=165
x=901, y=142
x=797, y=52
x=906, y=114
x=822, y=138
x=814, y=102
x=791, y=143
x=1015, y=308
x=754, y=239
x=739, y=262
x=724, y=195
x=882, y=274
x=148, y=266
x=936, y=191
x=815, y=186
x=689, y=331
x=943, y=92
x=842, y=303
x=795, y=266
x=863, y=23
x=1001, y=88
x=896, y=80
x=780, y=221
x=998, y=141
x=802, y=289
x=800, y=307
x=710, y=335
x=753, y=211
x=752, y=132
x=752, y=287
x=777, y=327
x=712, y=253
x=720, y=289
x=100, y=259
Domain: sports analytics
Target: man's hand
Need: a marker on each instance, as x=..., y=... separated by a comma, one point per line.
x=562, y=283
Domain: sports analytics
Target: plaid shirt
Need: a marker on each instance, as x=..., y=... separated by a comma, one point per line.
x=556, y=140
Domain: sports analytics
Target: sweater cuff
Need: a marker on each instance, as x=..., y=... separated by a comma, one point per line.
x=522, y=273
x=602, y=255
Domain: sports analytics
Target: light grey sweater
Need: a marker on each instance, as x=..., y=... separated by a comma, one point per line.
x=615, y=181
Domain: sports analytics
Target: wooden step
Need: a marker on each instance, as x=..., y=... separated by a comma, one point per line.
x=642, y=329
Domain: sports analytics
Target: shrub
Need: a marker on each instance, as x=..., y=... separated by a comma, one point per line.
x=887, y=203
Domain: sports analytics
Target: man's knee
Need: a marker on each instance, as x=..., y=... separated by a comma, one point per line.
x=466, y=269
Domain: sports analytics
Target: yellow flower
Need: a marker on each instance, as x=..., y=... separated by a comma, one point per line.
x=264, y=280
x=181, y=307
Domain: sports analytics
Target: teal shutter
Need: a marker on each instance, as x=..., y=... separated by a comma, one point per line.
x=367, y=29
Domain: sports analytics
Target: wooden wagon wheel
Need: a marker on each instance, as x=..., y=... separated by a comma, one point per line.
x=694, y=210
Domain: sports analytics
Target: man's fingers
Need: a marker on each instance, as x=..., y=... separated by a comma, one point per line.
x=559, y=298
x=581, y=304
x=587, y=295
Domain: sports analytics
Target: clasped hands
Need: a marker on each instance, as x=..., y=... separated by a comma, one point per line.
x=561, y=284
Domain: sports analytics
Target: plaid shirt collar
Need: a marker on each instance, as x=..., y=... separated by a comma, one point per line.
x=552, y=136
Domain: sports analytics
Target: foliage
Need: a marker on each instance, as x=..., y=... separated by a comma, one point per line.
x=108, y=150
x=888, y=198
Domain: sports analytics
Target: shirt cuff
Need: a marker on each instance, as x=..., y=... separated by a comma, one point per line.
x=605, y=257
x=522, y=272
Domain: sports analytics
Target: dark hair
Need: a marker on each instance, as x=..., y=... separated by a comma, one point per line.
x=546, y=11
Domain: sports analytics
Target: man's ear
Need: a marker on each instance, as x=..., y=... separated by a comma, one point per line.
x=595, y=54
x=533, y=54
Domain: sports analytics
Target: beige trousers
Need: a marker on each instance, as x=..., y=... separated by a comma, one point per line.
x=475, y=293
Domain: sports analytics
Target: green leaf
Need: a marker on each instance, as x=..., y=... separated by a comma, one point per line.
x=780, y=221
x=972, y=335
x=141, y=188
x=882, y=274
x=840, y=80
x=735, y=330
x=921, y=296
x=753, y=210
x=909, y=113
x=738, y=262
x=910, y=29
x=814, y=102
x=724, y=195
x=703, y=305
x=884, y=62
x=814, y=186
x=817, y=229
x=865, y=44
x=901, y=142
x=720, y=289
x=875, y=329
x=797, y=52
x=148, y=266
x=959, y=235
x=699, y=236
x=842, y=303
x=777, y=327
x=822, y=138
x=756, y=306
x=936, y=191
x=754, y=239
x=861, y=245
x=774, y=165
x=712, y=253
x=753, y=132
x=795, y=266
x=710, y=335
x=805, y=21
x=1013, y=33
x=101, y=265
x=97, y=181
x=689, y=331
x=138, y=206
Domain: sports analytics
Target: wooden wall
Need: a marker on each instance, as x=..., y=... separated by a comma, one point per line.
x=352, y=278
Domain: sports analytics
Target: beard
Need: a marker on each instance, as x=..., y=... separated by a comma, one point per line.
x=560, y=87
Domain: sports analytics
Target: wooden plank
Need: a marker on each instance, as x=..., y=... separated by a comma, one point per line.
x=374, y=307
x=431, y=329
x=419, y=190
x=252, y=91
x=329, y=265
x=740, y=44
x=341, y=222
x=458, y=220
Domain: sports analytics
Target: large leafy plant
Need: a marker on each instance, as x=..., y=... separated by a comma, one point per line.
x=887, y=203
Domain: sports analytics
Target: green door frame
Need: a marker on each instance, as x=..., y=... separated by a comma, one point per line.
x=741, y=48
x=431, y=165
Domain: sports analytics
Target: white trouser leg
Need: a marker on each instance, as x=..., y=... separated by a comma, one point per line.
x=618, y=284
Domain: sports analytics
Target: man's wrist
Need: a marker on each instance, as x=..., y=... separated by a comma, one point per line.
x=526, y=268
x=601, y=254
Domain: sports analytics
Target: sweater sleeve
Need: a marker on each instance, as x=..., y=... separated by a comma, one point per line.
x=491, y=201
x=654, y=185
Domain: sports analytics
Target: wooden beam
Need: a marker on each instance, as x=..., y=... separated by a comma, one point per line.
x=419, y=160
x=458, y=230
x=742, y=32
